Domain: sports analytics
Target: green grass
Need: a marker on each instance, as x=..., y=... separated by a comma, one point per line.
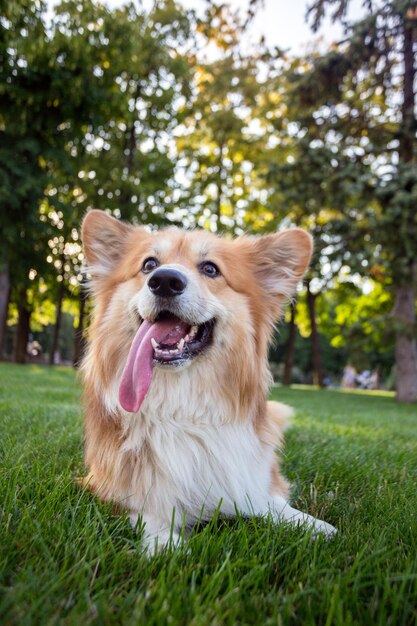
x=67, y=559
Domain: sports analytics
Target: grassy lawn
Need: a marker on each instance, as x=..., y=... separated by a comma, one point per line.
x=67, y=559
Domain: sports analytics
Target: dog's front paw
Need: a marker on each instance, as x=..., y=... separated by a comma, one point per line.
x=323, y=528
x=154, y=543
x=283, y=512
x=318, y=527
x=157, y=535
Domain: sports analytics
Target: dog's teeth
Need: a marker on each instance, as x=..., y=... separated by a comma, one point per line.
x=193, y=331
x=181, y=344
x=187, y=338
x=155, y=344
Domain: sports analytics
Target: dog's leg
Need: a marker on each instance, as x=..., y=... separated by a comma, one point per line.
x=282, y=511
x=158, y=534
x=276, y=420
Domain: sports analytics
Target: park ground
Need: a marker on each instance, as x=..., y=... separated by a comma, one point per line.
x=65, y=558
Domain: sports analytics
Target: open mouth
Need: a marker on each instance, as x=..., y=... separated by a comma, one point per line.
x=166, y=341
x=178, y=341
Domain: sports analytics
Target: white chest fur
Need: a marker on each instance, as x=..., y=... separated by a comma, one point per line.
x=188, y=455
x=194, y=455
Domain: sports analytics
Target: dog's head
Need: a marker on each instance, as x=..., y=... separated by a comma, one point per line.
x=172, y=300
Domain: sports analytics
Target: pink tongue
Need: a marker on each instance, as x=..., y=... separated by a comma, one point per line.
x=137, y=374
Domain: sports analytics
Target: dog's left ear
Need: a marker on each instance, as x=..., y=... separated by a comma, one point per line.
x=280, y=260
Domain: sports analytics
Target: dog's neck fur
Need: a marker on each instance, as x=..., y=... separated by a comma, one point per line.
x=195, y=395
x=195, y=448
x=189, y=444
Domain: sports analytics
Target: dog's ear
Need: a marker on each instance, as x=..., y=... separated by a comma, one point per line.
x=281, y=259
x=103, y=239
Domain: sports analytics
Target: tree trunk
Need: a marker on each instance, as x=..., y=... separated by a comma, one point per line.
x=55, y=336
x=405, y=295
x=405, y=344
x=315, y=339
x=289, y=348
x=4, y=302
x=79, y=340
x=407, y=113
x=23, y=328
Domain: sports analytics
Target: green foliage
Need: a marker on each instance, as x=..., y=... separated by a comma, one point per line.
x=358, y=319
x=122, y=162
x=103, y=89
x=360, y=313
x=42, y=333
x=353, y=93
x=358, y=104
x=221, y=144
x=334, y=359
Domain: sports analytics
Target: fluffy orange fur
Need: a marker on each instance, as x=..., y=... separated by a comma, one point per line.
x=258, y=274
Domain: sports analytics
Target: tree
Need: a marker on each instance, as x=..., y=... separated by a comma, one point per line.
x=378, y=53
x=125, y=161
x=38, y=116
x=22, y=163
x=290, y=346
x=220, y=143
x=354, y=317
x=122, y=162
x=309, y=187
x=83, y=146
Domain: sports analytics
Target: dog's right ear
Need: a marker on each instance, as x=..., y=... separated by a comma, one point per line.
x=103, y=240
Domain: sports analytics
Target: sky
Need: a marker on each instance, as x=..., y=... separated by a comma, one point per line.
x=282, y=22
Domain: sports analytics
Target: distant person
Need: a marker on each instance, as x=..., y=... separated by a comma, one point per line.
x=363, y=379
x=349, y=377
x=374, y=380
x=34, y=348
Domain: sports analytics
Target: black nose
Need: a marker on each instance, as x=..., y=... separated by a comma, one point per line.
x=167, y=282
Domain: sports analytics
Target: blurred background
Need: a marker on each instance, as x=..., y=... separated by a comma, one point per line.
x=239, y=117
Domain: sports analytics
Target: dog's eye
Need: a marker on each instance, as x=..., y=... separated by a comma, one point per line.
x=149, y=265
x=209, y=269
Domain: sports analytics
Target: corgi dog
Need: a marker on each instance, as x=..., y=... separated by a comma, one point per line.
x=176, y=378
